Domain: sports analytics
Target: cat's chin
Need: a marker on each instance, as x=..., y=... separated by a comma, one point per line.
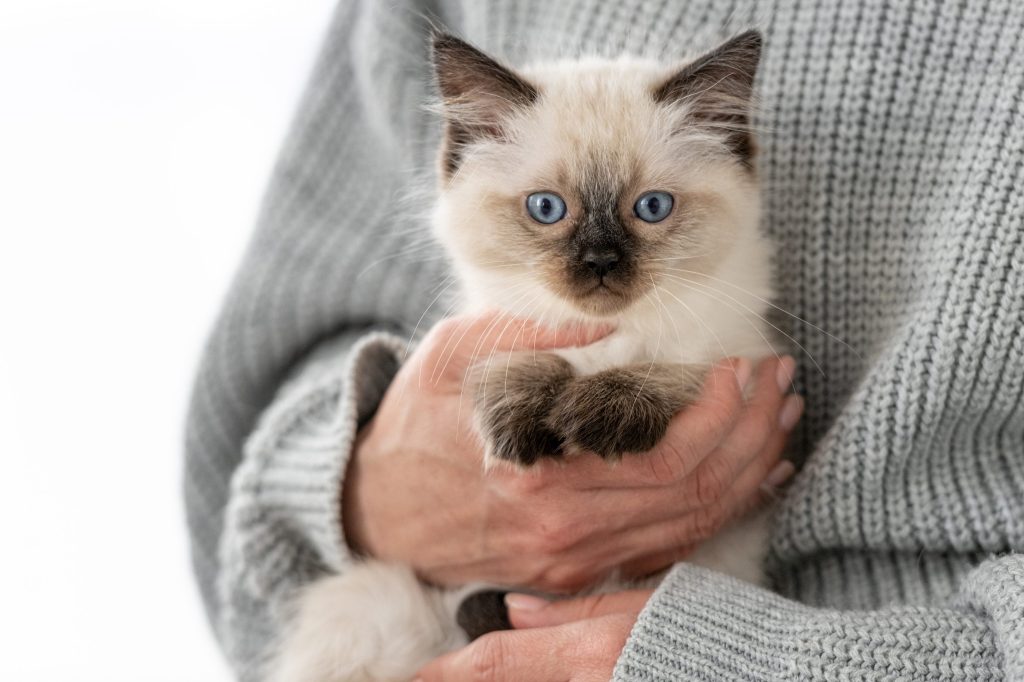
x=603, y=301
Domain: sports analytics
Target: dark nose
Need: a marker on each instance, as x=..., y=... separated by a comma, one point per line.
x=601, y=261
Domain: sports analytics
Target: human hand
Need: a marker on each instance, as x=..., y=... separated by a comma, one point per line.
x=417, y=492
x=576, y=640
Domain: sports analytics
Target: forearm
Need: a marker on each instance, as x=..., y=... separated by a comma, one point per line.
x=702, y=625
x=283, y=526
x=322, y=257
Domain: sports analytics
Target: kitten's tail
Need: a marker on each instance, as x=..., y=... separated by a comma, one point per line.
x=374, y=623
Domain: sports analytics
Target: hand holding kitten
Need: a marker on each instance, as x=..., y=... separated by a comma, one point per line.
x=576, y=639
x=417, y=492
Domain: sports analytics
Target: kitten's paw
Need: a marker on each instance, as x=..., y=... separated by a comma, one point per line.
x=626, y=409
x=512, y=400
x=483, y=612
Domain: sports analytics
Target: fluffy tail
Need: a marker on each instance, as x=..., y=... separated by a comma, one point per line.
x=374, y=623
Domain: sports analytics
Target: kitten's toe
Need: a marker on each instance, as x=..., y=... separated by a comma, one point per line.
x=621, y=410
x=512, y=401
x=483, y=612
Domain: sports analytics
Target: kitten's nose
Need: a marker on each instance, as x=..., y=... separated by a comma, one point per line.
x=601, y=262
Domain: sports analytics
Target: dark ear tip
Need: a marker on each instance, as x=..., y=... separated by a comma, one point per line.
x=438, y=38
x=751, y=40
x=442, y=41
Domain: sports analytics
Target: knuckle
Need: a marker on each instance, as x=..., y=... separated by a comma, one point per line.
x=611, y=639
x=550, y=541
x=525, y=485
x=592, y=606
x=706, y=523
x=437, y=344
x=670, y=460
x=723, y=416
x=761, y=427
x=489, y=657
x=444, y=330
x=555, y=534
x=561, y=578
x=709, y=482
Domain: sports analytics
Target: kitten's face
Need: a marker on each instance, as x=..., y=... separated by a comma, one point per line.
x=576, y=188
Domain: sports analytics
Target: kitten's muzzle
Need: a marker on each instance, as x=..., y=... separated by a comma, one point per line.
x=603, y=261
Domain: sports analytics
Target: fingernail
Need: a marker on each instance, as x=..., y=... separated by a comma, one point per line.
x=743, y=371
x=790, y=413
x=787, y=366
x=524, y=602
x=779, y=475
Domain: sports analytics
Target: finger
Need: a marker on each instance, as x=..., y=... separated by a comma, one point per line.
x=756, y=426
x=507, y=656
x=463, y=340
x=692, y=435
x=760, y=416
x=760, y=481
x=757, y=423
x=528, y=611
x=764, y=475
x=652, y=564
x=695, y=527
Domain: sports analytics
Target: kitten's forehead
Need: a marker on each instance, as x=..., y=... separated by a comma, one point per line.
x=596, y=123
x=600, y=99
x=598, y=77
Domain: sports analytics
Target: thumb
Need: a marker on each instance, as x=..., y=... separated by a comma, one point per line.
x=506, y=656
x=527, y=611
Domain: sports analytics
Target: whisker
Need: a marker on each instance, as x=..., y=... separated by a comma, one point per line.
x=700, y=320
x=654, y=356
x=447, y=313
x=434, y=374
x=512, y=317
x=671, y=317
x=408, y=345
x=769, y=303
x=757, y=329
x=687, y=283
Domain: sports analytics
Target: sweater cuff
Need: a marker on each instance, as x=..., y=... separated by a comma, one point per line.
x=300, y=451
x=703, y=625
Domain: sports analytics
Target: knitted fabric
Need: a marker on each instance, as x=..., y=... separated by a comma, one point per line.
x=892, y=159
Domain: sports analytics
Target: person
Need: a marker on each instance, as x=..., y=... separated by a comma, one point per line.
x=891, y=146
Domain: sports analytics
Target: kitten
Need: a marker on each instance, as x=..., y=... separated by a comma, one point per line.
x=616, y=191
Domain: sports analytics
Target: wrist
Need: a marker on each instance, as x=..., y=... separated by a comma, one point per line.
x=354, y=516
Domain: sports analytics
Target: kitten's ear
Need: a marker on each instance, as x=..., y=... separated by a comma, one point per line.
x=718, y=88
x=478, y=95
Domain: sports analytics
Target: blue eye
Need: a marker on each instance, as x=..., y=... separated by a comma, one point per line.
x=653, y=207
x=545, y=207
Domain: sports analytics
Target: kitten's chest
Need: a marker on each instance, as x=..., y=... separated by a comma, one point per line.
x=616, y=350
x=628, y=346
x=674, y=342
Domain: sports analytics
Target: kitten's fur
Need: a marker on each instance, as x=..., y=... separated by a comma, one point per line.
x=684, y=292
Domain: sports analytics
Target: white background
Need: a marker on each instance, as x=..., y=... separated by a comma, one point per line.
x=136, y=138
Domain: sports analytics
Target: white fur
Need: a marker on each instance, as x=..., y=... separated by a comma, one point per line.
x=377, y=623
x=374, y=623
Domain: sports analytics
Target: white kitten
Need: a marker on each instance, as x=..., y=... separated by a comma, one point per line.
x=598, y=190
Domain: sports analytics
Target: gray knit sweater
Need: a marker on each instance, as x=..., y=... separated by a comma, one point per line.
x=893, y=164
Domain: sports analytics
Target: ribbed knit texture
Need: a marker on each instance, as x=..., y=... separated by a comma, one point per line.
x=892, y=157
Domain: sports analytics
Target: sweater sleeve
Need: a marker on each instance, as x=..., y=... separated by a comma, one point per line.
x=283, y=524
x=701, y=625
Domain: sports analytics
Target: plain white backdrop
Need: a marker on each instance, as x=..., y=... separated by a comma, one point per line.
x=136, y=138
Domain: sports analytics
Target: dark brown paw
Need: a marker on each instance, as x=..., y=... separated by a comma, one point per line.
x=483, y=612
x=512, y=401
x=626, y=409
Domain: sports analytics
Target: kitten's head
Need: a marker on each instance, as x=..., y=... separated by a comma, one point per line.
x=570, y=189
